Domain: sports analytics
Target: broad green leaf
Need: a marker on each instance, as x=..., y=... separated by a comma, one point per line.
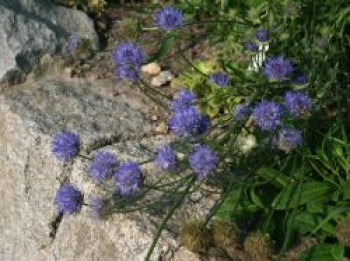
x=274, y=176
x=307, y=222
x=346, y=190
x=323, y=252
x=310, y=191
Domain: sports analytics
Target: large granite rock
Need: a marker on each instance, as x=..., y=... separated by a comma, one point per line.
x=30, y=28
x=30, y=226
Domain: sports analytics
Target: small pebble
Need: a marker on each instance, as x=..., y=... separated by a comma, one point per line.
x=151, y=69
x=163, y=78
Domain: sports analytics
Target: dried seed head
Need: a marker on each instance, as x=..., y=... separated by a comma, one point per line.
x=195, y=236
x=225, y=233
x=343, y=232
x=258, y=246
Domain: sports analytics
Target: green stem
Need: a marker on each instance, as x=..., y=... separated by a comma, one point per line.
x=167, y=217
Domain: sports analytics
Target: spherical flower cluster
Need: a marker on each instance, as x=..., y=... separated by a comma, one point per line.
x=128, y=178
x=97, y=207
x=169, y=18
x=68, y=199
x=242, y=112
x=65, y=146
x=203, y=161
x=300, y=79
x=277, y=68
x=250, y=46
x=288, y=139
x=188, y=121
x=267, y=115
x=102, y=166
x=128, y=57
x=185, y=99
x=261, y=35
x=73, y=42
x=297, y=103
x=220, y=78
x=166, y=158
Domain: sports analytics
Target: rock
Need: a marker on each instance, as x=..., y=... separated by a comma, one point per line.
x=30, y=226
x=163, y=78
x=151, y=69
x=30, y=28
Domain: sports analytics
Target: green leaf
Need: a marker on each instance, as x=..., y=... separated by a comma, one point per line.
x=163, y=49
x=307, y=222
x=346, y=190
x=275, y=177
x=310, y=191
x=323, y=252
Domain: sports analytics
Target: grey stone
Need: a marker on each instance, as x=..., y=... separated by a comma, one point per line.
x=30, y=28
x=163, y=78
x=30, y=226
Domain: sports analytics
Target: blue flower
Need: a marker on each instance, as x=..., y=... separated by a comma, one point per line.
x=242, y=112
x=287, y=139
x=250, y=46
x=300, y=79
x=73, y=42
x=68, y=199
x=277, y=68
x=220, y=78
x=297, y=103
x=128, y=178
x=185, y=121
x=203, y=161
x=131, y=72
x=97, y=204
x=166, y=158
x=102, y=167
x=267, y=115
x=261, y=35
x=65, y=146
x=169, y=18
x=128, y=54
x=184, y=100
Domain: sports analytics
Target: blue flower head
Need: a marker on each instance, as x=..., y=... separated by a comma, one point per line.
x=65, y=146
x=128, y=54
x=267, y=115
x=73, y=42
x=242, y=112
x=169, y=18
x=102, y=166
x=130, y=72
x=184, y=122
x=185, y=99
x=128, y=178
x=166, y=158
x=203, y=161
x=68, y=199
x=287, y=139
x=250, y=46
x=220, y=78
x=298, y=103
x=277, y=68
x=261, y=35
